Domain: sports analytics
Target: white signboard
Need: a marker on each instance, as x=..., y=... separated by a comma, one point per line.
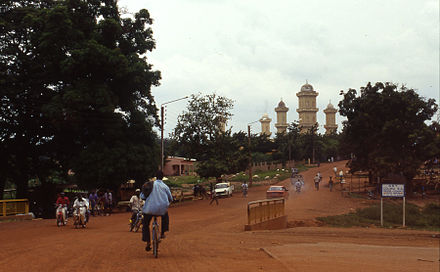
x=393, y=190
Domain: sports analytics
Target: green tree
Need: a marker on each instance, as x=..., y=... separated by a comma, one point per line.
x=76, y=91
x=289, y=145
x=386, y=129
x=199, y=134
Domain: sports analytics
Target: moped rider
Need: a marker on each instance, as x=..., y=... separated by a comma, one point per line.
x=64, y=202
x=81, y=202
x=298, y=186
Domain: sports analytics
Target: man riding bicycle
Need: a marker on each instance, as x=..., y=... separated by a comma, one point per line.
x=157, y=198
x=136, y=205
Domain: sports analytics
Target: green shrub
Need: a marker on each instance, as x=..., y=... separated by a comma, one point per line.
x=427, y=218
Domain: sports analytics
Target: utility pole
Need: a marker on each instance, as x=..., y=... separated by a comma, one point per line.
x=250, y=153
x=162, y=118
x=250, y=156
x=161, y=136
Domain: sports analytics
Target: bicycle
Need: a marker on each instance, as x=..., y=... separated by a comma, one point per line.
x=137, y=222
x=155, y=236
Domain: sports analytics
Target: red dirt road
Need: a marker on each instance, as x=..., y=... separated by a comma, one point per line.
x=211, y=238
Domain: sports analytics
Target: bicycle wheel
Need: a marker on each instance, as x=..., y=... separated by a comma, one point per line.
x=155, y=241
x=131, y=225
x=137, y=224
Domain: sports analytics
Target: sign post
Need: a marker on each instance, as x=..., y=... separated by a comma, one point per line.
x=392, y=190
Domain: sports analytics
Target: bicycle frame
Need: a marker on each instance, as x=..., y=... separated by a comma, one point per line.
x=155, y=236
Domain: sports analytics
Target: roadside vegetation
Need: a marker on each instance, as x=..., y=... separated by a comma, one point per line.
x=258, y=177
x=416, y=217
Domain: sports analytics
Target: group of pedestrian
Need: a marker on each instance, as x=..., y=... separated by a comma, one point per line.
x=318, y=178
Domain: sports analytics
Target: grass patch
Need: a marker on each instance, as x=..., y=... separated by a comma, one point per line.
x=179, y=181
x=416, y=217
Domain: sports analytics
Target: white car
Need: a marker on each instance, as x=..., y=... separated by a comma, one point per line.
x=224, y=189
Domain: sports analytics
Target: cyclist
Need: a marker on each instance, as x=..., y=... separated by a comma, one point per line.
x=135, y=205
x=157, y=198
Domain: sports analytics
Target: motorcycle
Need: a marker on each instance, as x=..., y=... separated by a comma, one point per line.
x=61, y=215
x=298, y=186
x=79, y=217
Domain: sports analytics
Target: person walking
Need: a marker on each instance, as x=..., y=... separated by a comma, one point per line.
x=244, y=187
x=93, y=198
x=336, y=171
x=214, y=197
x=330, y=184
x=317, y=179
x=211, y=188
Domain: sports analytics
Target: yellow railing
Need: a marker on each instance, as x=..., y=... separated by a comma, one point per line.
x=263, y=210
x=14, y=206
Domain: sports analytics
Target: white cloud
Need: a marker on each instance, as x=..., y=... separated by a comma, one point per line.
x=256, y=52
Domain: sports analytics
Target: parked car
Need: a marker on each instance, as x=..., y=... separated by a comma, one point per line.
x=277, y=191
x=224, y=189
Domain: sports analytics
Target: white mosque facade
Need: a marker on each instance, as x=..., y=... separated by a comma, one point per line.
x=307, y=113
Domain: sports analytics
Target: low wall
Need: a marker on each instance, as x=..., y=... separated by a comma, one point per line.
x=271, y=224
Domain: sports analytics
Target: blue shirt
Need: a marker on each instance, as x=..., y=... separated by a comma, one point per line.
x=159, y=199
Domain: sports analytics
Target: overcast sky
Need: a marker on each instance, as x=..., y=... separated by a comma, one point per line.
x=257, y=52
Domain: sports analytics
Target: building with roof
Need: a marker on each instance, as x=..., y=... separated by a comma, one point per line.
x=330, y=119
x=265, y=125
x=307, y=107
x=281, y=111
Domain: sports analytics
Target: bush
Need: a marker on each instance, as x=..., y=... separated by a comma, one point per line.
x=416, y=217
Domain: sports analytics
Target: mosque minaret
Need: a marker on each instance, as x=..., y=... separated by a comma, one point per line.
x=307, y=107
x=330, y=119
x=265, y=125
x=281, y=111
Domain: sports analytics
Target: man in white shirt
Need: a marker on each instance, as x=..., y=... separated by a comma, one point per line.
x=136, y=204
x=79, y=203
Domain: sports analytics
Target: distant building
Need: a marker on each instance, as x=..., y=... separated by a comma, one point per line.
x=281, y=111
x=330, y=119
x=307, y=107
x=222, y=124
x=265, y=125
x=178, y=166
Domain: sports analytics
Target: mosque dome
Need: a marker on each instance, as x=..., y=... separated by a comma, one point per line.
x=330, y=106
x=281, y=104
x=307, y=88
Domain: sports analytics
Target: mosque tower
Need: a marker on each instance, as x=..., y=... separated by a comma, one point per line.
x=281, y=111
x=265, y=125
x=330, y=119
x=307, y=107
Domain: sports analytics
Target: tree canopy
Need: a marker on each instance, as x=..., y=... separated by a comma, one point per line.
x=199, y=133
x=76, y=92
x=386, y=129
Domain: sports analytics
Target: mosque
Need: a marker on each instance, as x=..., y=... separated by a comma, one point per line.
x=307, y=111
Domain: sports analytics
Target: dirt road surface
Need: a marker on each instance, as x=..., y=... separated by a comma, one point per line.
x=207, y=237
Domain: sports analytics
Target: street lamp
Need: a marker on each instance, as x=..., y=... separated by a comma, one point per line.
x=162, y=125
x=250, y=154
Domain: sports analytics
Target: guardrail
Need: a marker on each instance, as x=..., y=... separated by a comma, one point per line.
x=263, y=210
x=14, y=206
